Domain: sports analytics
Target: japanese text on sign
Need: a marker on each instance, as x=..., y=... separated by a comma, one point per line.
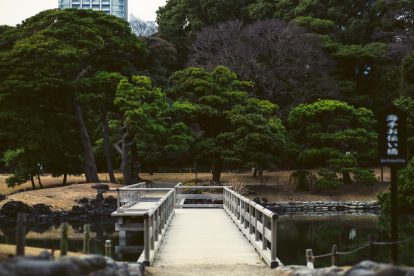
x=392, y=134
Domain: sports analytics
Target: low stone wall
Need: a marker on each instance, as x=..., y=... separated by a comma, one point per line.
x=324, y=207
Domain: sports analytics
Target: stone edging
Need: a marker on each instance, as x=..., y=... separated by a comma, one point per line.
x=324, y=207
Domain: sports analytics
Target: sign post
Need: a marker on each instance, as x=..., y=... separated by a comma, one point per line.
x=392, y=142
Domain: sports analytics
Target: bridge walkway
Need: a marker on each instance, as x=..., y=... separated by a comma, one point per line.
x=205, y=237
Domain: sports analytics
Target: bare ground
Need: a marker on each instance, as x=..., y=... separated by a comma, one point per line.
x=8, y=250
x=274, y=188
x=59, y=198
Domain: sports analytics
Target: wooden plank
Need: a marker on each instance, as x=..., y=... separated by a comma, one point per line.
x=200, y=205
x=201, y=196
x=131, y=227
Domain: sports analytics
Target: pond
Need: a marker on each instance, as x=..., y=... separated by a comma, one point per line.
x=298, y=232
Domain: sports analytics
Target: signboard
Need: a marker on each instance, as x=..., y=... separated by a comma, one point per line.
x=392, y=136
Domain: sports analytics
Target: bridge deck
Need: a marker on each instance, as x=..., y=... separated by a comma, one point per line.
x=205, y=237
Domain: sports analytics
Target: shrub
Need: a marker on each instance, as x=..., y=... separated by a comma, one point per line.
x=405, y=191
x=302, y=180
x=364, y=176
x=239, y=186
x=327, y=180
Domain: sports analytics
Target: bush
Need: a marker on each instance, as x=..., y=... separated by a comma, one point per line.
x=327, y=180
x=405, y=191
x=364, y=176
x=302, y=180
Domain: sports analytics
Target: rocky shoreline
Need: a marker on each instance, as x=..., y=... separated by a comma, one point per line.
x=324, y=207
x=87, y=211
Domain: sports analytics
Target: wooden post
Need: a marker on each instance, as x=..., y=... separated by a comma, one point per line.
x=382, y=173
x=256, y=219
x=334, y=257
x=394, y=213
x=64, y=240
x=250, y=219
x=264, y=242
x=86, y=238
x=273, y=245
x=21, y=233
x=370, y=248
x=108, y=248
x=309, y=259
x=146, y=240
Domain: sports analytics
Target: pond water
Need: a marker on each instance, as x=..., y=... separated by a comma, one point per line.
x=48, y=236
x=296, y=233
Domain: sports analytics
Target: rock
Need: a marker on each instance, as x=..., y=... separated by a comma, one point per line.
x=70, y=266
x=82, y=200
x=12, y=208
x=2, y=197
x=41, y=209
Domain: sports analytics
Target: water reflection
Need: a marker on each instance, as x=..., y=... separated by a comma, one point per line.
x=48, y=236
x=298, y=233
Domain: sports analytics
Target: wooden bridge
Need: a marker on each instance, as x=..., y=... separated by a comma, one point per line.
x=194, y=225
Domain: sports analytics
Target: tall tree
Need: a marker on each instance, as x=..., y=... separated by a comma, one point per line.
x=333, y=134
x=147, y=126
x=286, y=63
x=233, y=126
x=52, y=51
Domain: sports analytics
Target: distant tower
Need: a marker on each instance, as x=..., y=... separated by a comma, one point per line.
x=115, y=7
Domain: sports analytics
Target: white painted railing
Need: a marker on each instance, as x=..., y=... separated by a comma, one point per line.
x=131, y=194
x=205, y=193
x=258, y=224
x=156, y=221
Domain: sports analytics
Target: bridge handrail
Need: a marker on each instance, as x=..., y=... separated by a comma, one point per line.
x=156, y=221
x=253, y=220
x=181, y=197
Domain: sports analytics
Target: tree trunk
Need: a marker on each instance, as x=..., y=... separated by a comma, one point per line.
x=65, y=178
x=346, y=177
x=40, y=182
x=134, y=164
x=33, y=184
x=91, y=173
x=107, y=148
x=126, y=166
x=216, y=171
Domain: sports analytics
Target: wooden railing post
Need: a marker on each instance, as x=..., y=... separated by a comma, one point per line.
x=256, y=219
x=334, y=257
x=108, y=248
x=273, y=245
x=86, y=238
x=21, y=233
x=264, y=221
x=250, y=219
x=146, y=240
x=309, y=258
x=64, y=240
x=370, y=248
x=152, y=236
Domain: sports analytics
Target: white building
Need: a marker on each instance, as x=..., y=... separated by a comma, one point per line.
x=115, y=7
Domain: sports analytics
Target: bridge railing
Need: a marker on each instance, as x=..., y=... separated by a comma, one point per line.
x=257, y=223
x=198, y=193
x=131, y=194
x=156, y=222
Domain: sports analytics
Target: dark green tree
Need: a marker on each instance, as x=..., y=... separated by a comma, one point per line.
x=232, y=125
x=333, y=134
x=47, y=56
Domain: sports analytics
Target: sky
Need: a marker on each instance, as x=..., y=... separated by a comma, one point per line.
x=13, y=12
